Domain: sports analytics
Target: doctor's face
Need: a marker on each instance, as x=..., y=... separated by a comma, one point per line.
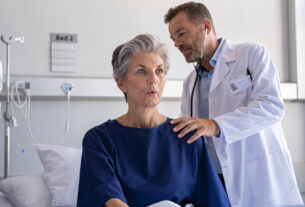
x=144, y=81
x=187, y=36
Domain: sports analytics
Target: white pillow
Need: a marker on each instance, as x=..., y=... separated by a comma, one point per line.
x=26, y=191
x=61, y=172
x=167, y=203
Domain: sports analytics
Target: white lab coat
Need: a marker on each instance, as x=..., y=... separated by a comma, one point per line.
x=254, y=157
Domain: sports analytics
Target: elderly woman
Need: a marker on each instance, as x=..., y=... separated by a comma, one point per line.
x=137, y=159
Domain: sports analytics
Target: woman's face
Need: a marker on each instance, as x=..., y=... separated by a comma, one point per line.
x=144, y=81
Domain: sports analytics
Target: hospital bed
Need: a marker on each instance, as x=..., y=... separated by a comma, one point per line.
x=56, y=186
x=4, y=202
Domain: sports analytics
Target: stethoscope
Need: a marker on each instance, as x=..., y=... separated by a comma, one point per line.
x=197, y=68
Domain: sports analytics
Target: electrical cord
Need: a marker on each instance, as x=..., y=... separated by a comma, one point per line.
x=15, y=90
x=29, y=119
x=27, y=103
x=67, y=126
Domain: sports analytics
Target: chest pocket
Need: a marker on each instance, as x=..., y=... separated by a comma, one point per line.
x=239, y=84
x=238, y=99
x=240, y=89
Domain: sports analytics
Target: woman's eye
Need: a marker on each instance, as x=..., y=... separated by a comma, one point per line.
x=141, y=71
x=160, y=71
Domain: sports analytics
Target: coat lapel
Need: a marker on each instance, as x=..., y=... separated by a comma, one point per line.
x=227, y=55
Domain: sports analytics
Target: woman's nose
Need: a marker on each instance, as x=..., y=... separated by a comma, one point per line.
x=152, y=78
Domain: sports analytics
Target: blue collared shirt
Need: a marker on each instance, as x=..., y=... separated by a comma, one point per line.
x=205, y=83
x=205, y=79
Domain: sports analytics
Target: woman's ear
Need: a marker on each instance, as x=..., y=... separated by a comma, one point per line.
x=121, y=84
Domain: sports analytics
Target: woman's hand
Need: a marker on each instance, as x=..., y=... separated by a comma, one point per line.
x=115, y=202
x=203, y=127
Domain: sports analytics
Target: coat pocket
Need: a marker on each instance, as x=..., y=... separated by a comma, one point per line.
x=270, y=177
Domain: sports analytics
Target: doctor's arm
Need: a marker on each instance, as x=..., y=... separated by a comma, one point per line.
x=202, y=127
x=265, y=107
x=185, y=123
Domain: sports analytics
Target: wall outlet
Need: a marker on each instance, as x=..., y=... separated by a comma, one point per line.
x=67, y=86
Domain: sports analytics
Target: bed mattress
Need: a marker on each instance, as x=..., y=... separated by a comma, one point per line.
x=4, y=202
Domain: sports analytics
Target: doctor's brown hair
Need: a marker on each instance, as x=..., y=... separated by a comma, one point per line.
x=197, y=12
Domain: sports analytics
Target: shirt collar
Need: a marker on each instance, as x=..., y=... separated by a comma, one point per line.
x=213, y=60
x=216, y=54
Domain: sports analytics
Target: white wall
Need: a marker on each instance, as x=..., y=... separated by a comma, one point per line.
x=102, y=25
x=294, y=128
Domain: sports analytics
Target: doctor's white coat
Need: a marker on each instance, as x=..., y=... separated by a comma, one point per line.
x=253, y=155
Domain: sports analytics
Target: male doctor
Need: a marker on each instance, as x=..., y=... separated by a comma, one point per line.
x=233, y=99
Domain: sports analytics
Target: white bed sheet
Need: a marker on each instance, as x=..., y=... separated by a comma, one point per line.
x=25, y=191
x=4, y=202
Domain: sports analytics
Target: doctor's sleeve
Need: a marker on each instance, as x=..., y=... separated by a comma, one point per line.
x=186, y=96
x=265, y=106
x=98, y=182
x=183, y=112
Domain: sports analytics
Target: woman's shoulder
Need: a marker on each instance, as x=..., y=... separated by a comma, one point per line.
x=99, y=133
x=164, y=126
x=101, y=128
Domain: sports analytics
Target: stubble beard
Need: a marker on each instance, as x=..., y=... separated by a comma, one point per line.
x=195, y=56
x=192, y=58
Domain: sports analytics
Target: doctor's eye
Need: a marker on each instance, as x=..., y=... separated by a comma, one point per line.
x=181, y=34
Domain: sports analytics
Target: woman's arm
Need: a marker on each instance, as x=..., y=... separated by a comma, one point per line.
x=114, y=202
x=98, y=182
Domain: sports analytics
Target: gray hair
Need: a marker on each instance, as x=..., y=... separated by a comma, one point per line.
x=144, y=43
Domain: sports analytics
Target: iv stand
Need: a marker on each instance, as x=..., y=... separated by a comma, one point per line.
x=7, y=115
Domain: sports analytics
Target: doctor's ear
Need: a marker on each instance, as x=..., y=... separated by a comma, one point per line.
x=121, y=84
x=206, y=26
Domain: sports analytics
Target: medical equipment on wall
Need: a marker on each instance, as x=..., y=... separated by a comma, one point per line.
x=9, y=120
x=19, y=95
x=67, y=88
x=22, y=88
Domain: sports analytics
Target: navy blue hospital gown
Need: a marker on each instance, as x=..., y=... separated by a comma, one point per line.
x=143, y=166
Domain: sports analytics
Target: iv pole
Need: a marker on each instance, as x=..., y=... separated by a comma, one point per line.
x=7, y=115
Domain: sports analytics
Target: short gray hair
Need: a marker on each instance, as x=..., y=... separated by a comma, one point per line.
x=144, y=43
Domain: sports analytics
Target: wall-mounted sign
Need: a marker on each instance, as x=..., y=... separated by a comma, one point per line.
x=64, y=52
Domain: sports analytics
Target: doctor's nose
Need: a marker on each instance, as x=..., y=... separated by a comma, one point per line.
x=177, y=43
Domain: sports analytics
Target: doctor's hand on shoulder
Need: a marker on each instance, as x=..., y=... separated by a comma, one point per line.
x=202, y=127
